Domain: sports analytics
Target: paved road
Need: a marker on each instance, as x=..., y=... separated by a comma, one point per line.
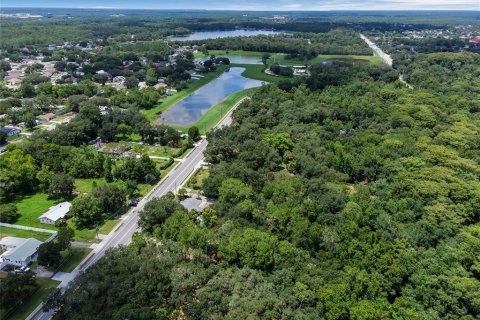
x=385, y=57
x=122, y=235
x=379, y=52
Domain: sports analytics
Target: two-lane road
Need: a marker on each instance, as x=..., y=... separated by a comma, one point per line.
x=170, y=183
x=122, y=235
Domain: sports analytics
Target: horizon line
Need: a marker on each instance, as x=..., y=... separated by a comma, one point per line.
x=240, y=10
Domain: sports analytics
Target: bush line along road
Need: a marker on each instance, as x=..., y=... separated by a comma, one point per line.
x=122, y=235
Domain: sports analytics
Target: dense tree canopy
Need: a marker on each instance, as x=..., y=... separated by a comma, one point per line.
x=346, y=197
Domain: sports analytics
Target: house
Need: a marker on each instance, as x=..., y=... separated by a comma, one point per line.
x=120, y=79
x=55, y=213
x=46, y=117
x=10, y=130
x=19, y=251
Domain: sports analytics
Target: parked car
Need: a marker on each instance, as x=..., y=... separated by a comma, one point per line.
x=133, y=202
x=21, y=270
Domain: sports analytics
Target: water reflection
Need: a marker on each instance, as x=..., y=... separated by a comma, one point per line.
x=202, y=35
x=190, y=109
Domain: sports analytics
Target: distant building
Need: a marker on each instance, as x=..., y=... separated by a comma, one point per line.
x=120, y=79
x=10, y=130
x=55, y=213
x=46, y=117
x=19, y=251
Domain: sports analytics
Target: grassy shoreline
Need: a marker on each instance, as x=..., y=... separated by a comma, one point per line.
x=194, y=86
x=280, y=57
x=218, y=111
x=256, y=72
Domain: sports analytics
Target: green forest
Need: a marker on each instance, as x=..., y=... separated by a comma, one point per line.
x=304, y=45
x=344, y=195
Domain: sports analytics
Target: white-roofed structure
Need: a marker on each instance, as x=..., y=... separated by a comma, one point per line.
x=19, y=251
x=11, y=242
x=55, y=213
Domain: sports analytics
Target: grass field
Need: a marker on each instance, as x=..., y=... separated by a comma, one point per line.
x=280, y=59
x=192, y=87
x=196, y=181
x=256, y=71
x=86, y=185
x=31, y=207
x=108, y=226
x=71, y=261
x=24, y=310
x=13, y=232
x=83, y=235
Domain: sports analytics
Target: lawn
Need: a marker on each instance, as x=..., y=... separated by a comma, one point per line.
x=192, y=87
x=143, y=189
x=73, y=260
x=84, y=235
x=86, y=185
x=33, y=206
x=108, y=226
x=281, y=59
x=24, y=310
x=13, y=232
x=196, y=181
x=256, y=71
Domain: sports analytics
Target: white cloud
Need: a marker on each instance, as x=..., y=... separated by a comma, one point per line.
x=398, y=5
x=293, y=6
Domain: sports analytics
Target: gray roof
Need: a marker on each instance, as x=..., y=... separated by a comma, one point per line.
x=8, y=130
x=11, y=241
x=24, y=250
x=58, y=211
x=192, y=203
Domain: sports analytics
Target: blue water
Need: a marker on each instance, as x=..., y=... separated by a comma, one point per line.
x=203, y=35
x=190, y=109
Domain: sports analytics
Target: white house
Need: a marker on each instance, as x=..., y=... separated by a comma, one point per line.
x=55, y=213
x=19, y=251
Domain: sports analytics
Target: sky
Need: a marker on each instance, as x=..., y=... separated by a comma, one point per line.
x=273, y=5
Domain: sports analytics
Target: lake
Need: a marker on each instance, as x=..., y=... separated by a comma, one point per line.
x=202, y=35
x=187, y=111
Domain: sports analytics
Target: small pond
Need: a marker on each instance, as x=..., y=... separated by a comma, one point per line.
x=190, y=109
